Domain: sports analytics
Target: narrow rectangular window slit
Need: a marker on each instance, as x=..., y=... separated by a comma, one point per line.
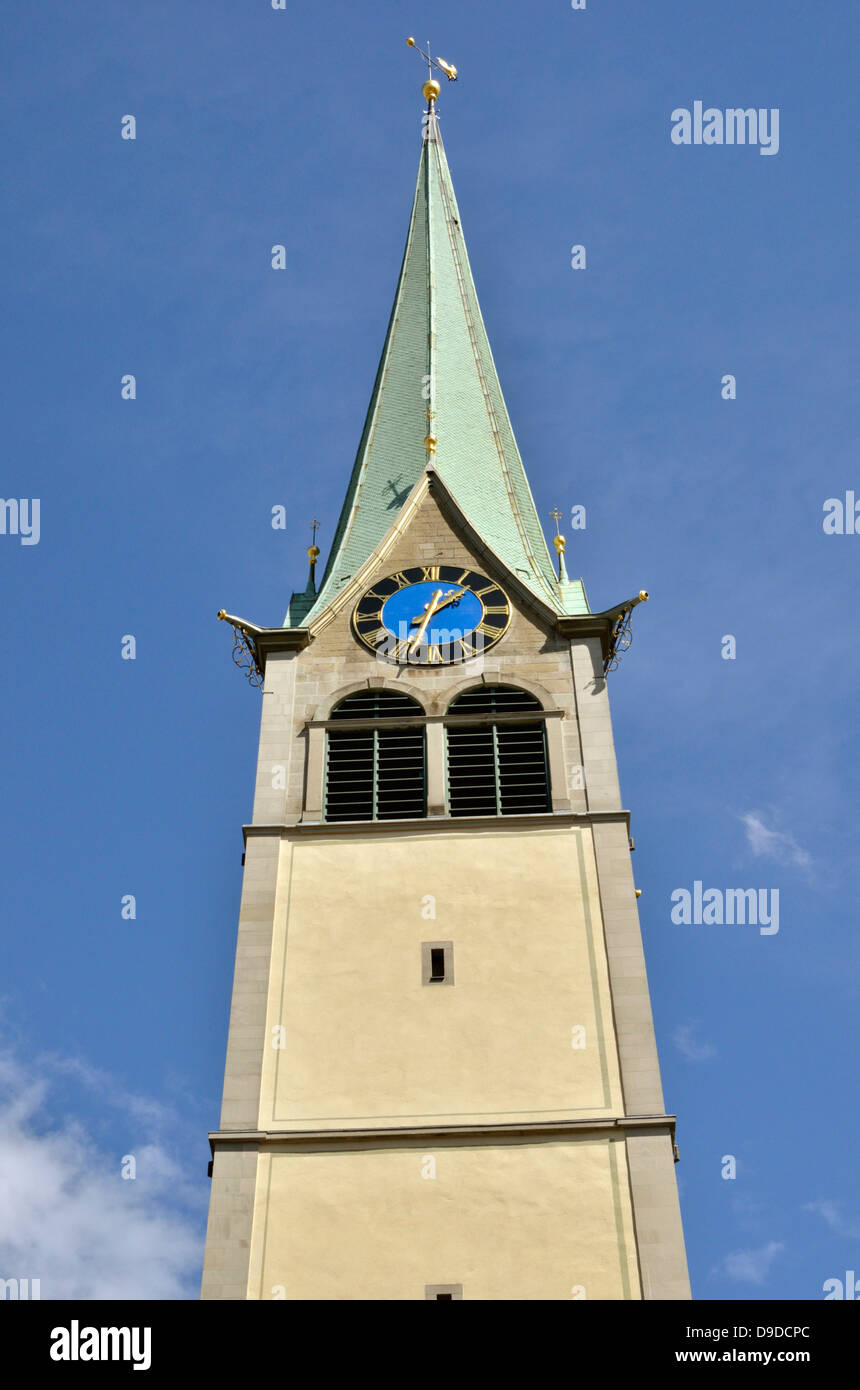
x=437, y=962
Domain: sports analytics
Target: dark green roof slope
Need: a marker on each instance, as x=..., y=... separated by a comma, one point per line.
x=437, y=376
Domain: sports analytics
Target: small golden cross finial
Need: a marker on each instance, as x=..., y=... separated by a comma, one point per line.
x=313, y=556
x=559, y=543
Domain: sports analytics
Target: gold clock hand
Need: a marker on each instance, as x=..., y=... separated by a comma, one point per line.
x=451, y=595
x=444, y=600
x=425, y=618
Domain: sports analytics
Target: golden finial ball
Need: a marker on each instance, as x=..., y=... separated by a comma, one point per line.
x=559, y=542
x=430, y=443
x=313, y=553
x=643, y=594
x=431, y=90
x=410, y=43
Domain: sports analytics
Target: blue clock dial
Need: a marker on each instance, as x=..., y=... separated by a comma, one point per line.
x=432, y=615
x=455, y=611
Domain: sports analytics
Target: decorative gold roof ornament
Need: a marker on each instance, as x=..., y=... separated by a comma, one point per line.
x=559, y=542
x=313, y=555
x=432, y=88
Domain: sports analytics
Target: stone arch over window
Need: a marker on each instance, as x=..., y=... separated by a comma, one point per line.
x=496, y=753
x=373, y=683
x=543, y=696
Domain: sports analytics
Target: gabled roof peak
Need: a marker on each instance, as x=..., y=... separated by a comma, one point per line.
x=437, y=400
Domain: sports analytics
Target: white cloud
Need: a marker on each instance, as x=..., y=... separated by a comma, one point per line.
x=688, y=1046
x=833, y=1218
x=750, y=1266
x=773, y=844
x=69, y=1219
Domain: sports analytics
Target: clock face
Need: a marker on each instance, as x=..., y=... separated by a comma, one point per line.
x=429, y=615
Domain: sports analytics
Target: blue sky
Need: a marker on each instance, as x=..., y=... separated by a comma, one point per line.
x=152, y=257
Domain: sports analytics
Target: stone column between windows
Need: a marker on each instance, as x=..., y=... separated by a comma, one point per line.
x=314, y=774
x=555, y=764
x=436, y=768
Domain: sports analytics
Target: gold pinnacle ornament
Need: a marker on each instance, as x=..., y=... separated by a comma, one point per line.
x=559, y=542
x=313, y=555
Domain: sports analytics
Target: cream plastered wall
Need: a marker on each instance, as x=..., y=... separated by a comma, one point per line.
x=526, y=1220
x=365, y=1043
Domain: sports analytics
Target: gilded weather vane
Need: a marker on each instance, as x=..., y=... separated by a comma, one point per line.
x=439, y=64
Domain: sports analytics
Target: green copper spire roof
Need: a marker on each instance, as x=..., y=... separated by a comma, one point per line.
x=437, y=378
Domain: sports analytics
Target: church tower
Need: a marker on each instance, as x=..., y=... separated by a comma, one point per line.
x=441, y=1078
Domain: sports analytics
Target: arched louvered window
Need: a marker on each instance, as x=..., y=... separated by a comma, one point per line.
x=497, y=758
x=375, y=765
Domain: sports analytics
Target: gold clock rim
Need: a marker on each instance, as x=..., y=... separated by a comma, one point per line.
x=459, y=661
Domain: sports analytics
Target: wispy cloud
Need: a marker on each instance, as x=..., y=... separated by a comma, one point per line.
x=778, y=845
x=833, y=1218
x=689, y=1047
x=67, y=1216
x=750, y=1266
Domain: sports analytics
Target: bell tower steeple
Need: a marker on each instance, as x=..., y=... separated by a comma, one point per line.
x=442, y=1078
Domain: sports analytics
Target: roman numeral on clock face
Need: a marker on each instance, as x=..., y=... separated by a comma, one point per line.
x=463, y=613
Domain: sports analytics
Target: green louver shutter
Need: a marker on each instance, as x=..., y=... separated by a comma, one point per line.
x=496, y=767
x=376, y=772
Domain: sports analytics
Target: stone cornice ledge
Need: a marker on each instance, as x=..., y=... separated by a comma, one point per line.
x=266, y=1138
x=538, y=821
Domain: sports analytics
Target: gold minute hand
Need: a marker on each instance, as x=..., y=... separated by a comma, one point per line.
x=424, y=618
x=451, y=595
x=443, y=601
x=438, y=601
